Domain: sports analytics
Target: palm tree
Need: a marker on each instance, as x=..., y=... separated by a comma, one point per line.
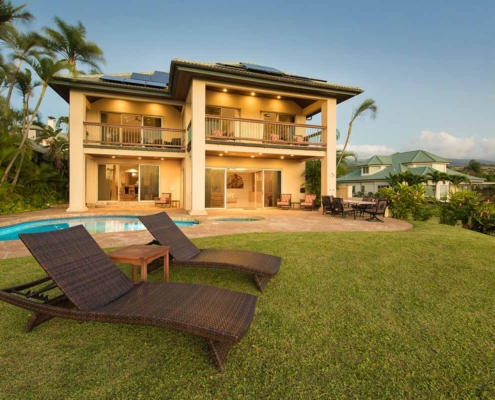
x=435, y=177
x=312, y=177
x=474, y=167
x=456, y=180
x=70, y=42
x=366, y=106
x=65, y=121
x=23, y=45
x=342, y=168
x=9, y=13
x=46, y=68
x=394, y=179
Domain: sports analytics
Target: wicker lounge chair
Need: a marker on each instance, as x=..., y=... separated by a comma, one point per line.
x=95, y=289
x=263, y=267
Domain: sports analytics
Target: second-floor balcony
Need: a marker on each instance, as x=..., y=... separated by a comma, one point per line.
x=100, y=134
x=249, y=131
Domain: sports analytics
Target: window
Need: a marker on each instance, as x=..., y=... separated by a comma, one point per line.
x=280, y=132
x=365, y=170
x=382, y=186
x=132, y=132
x=222, y=127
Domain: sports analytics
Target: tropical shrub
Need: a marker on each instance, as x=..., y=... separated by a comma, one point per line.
x=483, y=219
x=407, y=202
x=460, y=207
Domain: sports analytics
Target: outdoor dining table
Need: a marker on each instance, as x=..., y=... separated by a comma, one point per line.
x=360, y=202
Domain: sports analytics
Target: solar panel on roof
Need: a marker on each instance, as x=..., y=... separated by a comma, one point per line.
x=134, y=81
x=262, y=68
x=142, y=77
x=160, y=76
x=156, y=84
x=112, y=78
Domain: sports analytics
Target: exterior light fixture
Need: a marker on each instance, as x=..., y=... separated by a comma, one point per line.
x=225, y=90
x=252, y=156
x=113, y=156
x=253, y=94
x=281, y=157
x=292, y=155
x=162, y=159
x=279, y=97
x=260, y=154
x=139, y=158
x=226, y=151
x=221, y=155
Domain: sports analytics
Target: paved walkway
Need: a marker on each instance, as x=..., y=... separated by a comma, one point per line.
x=273, y=221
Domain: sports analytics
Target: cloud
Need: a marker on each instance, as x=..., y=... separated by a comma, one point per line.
x=447, y=146
x=367, y=150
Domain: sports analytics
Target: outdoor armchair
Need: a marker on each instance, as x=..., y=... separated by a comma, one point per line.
x=378, y=209
x=262, y=266
x=284, y=201
x=91, y=287
x=327, y=205
x=309, y=202
x=163, y=200
x=341, y=209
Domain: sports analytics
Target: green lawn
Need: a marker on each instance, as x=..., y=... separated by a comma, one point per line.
x=350, y=315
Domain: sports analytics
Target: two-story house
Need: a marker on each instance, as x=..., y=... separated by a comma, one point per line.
x=372, y=173
x=214, y=135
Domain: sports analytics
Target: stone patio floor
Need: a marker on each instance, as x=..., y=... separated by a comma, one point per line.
x=274, y=221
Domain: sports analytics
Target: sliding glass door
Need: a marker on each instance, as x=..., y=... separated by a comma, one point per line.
x=215, y=188
x=272, y=187
x=149, y=182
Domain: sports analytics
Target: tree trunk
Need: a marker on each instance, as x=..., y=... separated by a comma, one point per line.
x=18, y=171
x=346, y=143
x=12, y=82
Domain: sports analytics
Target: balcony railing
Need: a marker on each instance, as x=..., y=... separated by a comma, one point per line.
x=265, y=132
x=134, y=136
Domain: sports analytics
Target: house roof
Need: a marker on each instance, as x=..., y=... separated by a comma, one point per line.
x=396, y=163
x=182, y=71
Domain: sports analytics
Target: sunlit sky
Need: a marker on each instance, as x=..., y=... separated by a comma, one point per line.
x=429, y=65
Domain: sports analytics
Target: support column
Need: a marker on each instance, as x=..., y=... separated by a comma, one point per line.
x=198, y=148
x=77, y=175
x=329, y=162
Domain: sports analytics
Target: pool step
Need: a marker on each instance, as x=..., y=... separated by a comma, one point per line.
x=123, y=205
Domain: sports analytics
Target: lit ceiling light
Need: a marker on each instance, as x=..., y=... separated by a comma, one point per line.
x=292, y=155
x=139, y=158
x=281, y=157
x=221, y=155
x=253, y=94
x=252, y=156
x=162, y=159
x=225, y=90
x=113, y=156
x=260, y=154
x=279, y=97
x=226, y=152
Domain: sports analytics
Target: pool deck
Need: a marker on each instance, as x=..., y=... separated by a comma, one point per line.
x=274, y=220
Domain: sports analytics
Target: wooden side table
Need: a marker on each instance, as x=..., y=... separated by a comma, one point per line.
x=141, y=255
x=175, y=203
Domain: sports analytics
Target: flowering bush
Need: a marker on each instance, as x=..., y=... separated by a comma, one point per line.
x=407, y=202
x=460, y=207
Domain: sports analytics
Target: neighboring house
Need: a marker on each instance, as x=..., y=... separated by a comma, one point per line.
x=36, y=131
x=372, y=174
x=214, y=135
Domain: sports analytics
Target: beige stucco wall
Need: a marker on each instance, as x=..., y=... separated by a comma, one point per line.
x=251, y=106
x=171, y=116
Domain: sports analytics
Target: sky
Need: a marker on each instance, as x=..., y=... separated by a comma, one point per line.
x=429, y=65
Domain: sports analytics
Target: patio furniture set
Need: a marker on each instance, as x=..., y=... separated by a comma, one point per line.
x=338, y=206
x=83, y=284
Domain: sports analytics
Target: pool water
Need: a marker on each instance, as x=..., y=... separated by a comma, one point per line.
x=104, y=224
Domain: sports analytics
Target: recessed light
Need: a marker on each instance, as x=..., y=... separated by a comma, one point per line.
x=292, y=155
x=260, y=154
x=253, y=94
x=162, y=159
x=113, y=156
x=281, y=157
x=225, y=90
x=226, y=152
x=279, y=97
x=221, y=155
x=139, y=158
x=252, y=156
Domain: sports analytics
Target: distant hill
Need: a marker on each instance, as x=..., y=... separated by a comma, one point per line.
x=462, y=162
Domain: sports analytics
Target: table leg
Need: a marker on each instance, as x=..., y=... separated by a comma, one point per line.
x=165, y=267
x=144, y=271
x=134, y=273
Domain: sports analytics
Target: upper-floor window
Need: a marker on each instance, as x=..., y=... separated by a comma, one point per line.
x=365, y=170
x=221, y=127
x=278, y=132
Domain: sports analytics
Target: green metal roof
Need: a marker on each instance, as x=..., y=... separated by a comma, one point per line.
x=396, y=164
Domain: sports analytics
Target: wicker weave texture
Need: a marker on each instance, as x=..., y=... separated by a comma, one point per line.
x=78, y=266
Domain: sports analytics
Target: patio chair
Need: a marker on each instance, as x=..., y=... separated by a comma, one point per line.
x=309, y=202
x=284, y=201
x=378, y=209
x=262, y=266
x=341, y=209
x=164, y=200
x=327, y=205
x=95, y=289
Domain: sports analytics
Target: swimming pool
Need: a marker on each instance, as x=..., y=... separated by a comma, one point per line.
x=103, y=224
